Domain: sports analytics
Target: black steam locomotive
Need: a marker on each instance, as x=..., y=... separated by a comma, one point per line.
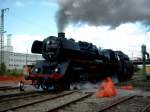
x=66, y=61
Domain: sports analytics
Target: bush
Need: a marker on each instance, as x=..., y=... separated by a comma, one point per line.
x=14, y=72
x=2, y=68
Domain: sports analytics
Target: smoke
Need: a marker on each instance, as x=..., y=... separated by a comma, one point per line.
x=102, y=12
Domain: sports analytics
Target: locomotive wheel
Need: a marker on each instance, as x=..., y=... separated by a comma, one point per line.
x=124, y=75
x=58, y=87
x=66, y=86
x=121, y=77
x=62, y=86
x=45, y=85
x=37, y=86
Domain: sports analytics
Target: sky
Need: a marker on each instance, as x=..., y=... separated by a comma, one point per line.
x=29, y=20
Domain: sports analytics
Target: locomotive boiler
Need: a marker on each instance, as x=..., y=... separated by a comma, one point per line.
x=66, y=61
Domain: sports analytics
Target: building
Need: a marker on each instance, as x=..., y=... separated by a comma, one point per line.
x=18, y=60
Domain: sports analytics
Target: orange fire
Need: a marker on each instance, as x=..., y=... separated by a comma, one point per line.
x=107, y=88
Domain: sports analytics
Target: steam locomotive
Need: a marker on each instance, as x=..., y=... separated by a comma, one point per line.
x=66, y=61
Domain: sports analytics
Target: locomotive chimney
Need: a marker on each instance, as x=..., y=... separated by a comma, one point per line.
x=61, y=35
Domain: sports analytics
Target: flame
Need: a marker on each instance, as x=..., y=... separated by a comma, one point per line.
x=107, y=88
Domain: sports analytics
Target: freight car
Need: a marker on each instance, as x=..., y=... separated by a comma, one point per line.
x=66, y=61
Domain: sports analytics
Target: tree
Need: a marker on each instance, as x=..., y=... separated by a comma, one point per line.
x=2, y=68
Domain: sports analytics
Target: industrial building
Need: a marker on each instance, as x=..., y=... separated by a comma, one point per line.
x=15, y=60
x=18, y=60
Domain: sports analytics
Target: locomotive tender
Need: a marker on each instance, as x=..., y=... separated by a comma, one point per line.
x=66, y=61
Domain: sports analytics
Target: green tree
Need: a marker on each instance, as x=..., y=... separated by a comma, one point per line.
x=2, y=68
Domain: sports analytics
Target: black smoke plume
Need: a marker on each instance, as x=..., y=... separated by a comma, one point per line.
x=102, y=12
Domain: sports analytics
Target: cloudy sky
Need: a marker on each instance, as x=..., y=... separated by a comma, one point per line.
x=115, y=24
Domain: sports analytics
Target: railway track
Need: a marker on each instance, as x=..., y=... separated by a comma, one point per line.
x=138, y=83
x=22, y=104
x=131, y=104
x=118, y=101
x=9, y=89
x=18, y=96
x=146, y=108
x=2, y=88
x=93, y=104
x=133, y=80
x=75, y=101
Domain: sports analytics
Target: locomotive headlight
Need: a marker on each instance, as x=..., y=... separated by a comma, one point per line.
x=56, y=70
x=48, y=42
x=36, y=70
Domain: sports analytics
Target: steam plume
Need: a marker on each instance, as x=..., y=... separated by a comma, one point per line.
x=102, y=12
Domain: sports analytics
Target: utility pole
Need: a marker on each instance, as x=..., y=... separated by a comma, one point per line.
x=27, y=57
x=2, y=35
